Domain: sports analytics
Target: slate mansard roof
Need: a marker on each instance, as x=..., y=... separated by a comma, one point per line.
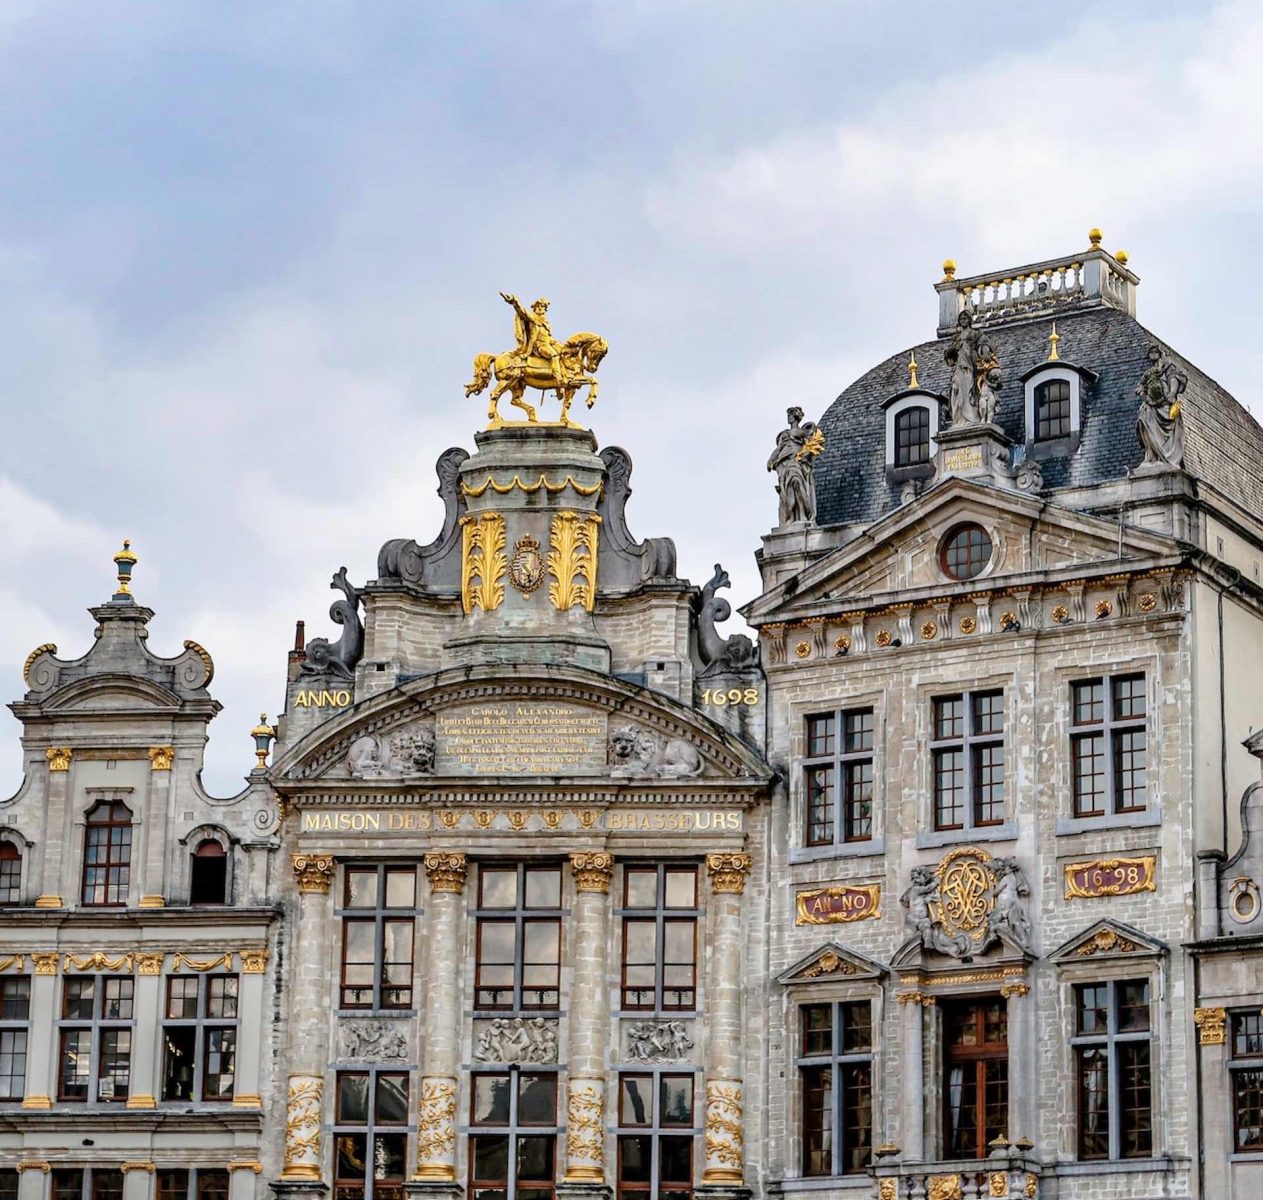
x=1224, y=443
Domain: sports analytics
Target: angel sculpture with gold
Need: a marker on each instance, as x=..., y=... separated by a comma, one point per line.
x=538, y=360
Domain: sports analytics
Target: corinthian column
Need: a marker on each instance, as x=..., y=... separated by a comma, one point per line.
x=1023, y=1071
x=589, y=1021
x=725, y=1113
x=308, y=1051
x=913, y=1081
x=436, y=1121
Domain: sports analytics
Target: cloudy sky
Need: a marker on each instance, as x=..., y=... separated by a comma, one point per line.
x=248, y=249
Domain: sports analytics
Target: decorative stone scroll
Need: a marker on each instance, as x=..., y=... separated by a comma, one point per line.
x=446, y=871
x=839, y=905
x=1110, y=877
x=728, y=872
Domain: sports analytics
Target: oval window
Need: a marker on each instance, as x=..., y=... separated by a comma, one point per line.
x=965, y=552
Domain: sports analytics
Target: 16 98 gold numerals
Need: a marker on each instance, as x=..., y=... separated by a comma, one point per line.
x=732, y=696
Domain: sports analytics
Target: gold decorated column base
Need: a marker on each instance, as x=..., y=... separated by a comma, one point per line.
x=436, y=1129
x=725, y=1132
x=302, y=1128
x=585, y=1130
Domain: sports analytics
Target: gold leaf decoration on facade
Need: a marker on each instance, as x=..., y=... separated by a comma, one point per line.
x=1032, y=1185
x=516, y=819
x=592, y=870
x=1212, y=1025
x=161, y=757
x=1103, y=609
x=1110, y=877
x=483, y=563
x=45, y=962
x=842, y=643
x=725, y=1136
x=929, y=631
x=943, y=1187
x=968, y=625
x=14, y=960
x=552, y=818
x=313, y=872
x=829, y=963
x=503, y=489
x=436, y=1136
x=883, y=638
x=839, y=904
x=585, y=1140
x=450, y=818
x=965, y=901
x=46, y=648
x=1147, y=602
x=728, y=871
x=98, y=961
x=207, y=661
x=150, y=964
x=572, y=560
x=888, y=1189
x=999, y=1183
x=1106, y=941
x=253, y=962
x=1060, y=614
x=179, y=961
x=802, y=650
x=302, y=1128
x=59, y=757
x=446, y=871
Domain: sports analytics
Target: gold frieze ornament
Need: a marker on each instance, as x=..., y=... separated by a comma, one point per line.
x=829, y=963
x=446, y=871
x=150, y=964
x=539, y=361
x=572, y=560
x=202, y=965
x=98, y=961
x=725, y=1132
x=1212, y=1025
x=313, y=872
x=17, y=961
x=592, y=870
x=728, y=872
x=503, y=489
x=483, y=562
x=160, y=757
x=253, y=962
x=45, y=962
x=1106, y=941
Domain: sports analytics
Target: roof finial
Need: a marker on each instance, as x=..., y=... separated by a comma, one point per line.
x=263, y=733
x=125, y=560
x=949, y=269
x=1053, y=339
x=1121, y=257
x=1095, y=236
x=912, y=370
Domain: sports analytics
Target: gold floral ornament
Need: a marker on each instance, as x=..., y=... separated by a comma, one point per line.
x=728, y=872
x=446, y=871
x=725, y=1132
x=944, y=1187
x=302, y=1128
x=829, y=963
x=968, y=625
x=592, y=870
x=572, y=560
x=842, y=643
x=1103, y=609
x=802, y=650
x=929, y=631
x=585, y=1140
x=483, y=561
x=1061, y=614
x=883, y=637
x=526, y=567
x=1147, y=602
x=436, y=1134
x=313, y=872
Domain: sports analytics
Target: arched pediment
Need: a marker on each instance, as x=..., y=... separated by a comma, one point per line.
x=111, y=691
x=521, y=721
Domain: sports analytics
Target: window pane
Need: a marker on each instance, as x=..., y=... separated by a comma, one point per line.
x=1247, y=1034
x=537, y=1100
x=949, y=717
x=1088, y=753
x=67, y=1185
x=1052, y=410
x=1135, y=1123
x=389, y=1156
x=819, y=806
x=1247, y=1107
x=681, y=888
x=107, y=1185
x=114, y=1064
x=173, y=1184
x=635, y=1159
x=912, y=436
x=817, y=1029
x=221, y=996
x=353, y=1098
x=675, y=1159
x=949, y=789
x=635, y=1103
x=859, y=730
x=989, y=784
x=491, y=1159
x=401, y=887
x=677, y=1100
x=359, y=952
x=397, y=938
x=1093, y=1006
x=535, y=1158
x=76, y=1048
x=543, y=887
x=857, y=1029
x=1129, y=697
x=12, y=1064
x=966, y=552
x=541, y=970
x=491, y=1099
x=182, y=997
x=1089, y=702
x=496, y=943
x=1133, y=1006
x=820, y=736
x=1094, y=1135
x=858, y=800
x=77, y=997
x=212, y=1185
x=219, y=1070
x=962, y=1110
x=1130, y=758
x=351, y=1155
x=392, y=1099
x=498, y=887
x=817, y=1120
x=361, y=887
x=642, y=887
x=179, y=1045
x=857, y=1115
x=117, y=1001
x=15, y=997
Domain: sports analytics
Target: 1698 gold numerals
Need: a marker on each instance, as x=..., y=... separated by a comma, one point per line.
x=732, y=696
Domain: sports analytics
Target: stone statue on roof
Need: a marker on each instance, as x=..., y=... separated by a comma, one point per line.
x=792, y=460
x=1160, y=421
x=975, y=379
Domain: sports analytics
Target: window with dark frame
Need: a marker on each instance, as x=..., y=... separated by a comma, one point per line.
x=1052, y=410
x=965, y=552
x=372, y=1117
x=8, y=1183
x=835, y=1068
x=15, y=1013
x=912, y=436
x=199, y=1037
x=518, y=927
x=513, y=1135
x=379, y=908
x=1109, y=745
x=208, y=874
x=107, y=854
x=95, y=1038
x=975, y=1075
x=660, y=937
x=1112, y=1057
x=657, y=1127
x=967, y=760
x=838, y=777
x=10, y=874
x=87, y=1183
x=192, y=1183
x=1245, y=1069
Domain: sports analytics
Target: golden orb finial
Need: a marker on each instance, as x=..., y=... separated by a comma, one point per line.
x=1121, y=257
x=125, y=560
x=912, y=370
x=949, y=268
x=1095, y=236
x=1053, y=339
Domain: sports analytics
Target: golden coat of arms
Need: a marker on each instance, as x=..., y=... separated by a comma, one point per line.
x=538, y=361
x=526, y=567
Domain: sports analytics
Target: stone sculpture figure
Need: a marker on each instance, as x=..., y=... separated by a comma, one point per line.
x=720, y=654
x=517, y=1040
x=410, y=751
x=962, y=358
x=1008, y=891
x=340, y=659
x=989, y=395
x=658, y=1041
x=639, y=752
x=1160, y=421
x=919, y=899
x=376, y=1040
x=796, y=447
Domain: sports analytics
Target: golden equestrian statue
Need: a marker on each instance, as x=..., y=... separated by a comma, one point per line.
x=538, y=361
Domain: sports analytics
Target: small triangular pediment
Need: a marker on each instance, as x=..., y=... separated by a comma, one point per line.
x=831, y=961
x=1106, y=939
x=901, y=552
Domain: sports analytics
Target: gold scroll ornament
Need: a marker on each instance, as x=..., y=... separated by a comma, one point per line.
x=839, y=905
x=1110, y=877
x=483, y=562
x=572, y=560
x=725, y=1136
x=436, y=1135
x=965, y=901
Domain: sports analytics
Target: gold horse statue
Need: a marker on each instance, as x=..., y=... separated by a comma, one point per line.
x=538, y=361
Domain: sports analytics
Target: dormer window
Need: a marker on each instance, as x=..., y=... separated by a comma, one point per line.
x=912, y=420
x=1052, y=410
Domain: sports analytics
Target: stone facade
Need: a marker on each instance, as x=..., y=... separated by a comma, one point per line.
x=949, y=887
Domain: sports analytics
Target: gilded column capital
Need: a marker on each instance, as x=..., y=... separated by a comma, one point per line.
x=253, y=962
x=314, y=872
x=1014, y=989
x=592, y=870
x=150, y=964
x=59, y=757
x=138, y=1166
x=245, y=1164
x=33, y=1164
x=446, y=871
x=161, y=757
x=728, y=871
x=1212, y=1026
x=913, y=997
x=45, y=962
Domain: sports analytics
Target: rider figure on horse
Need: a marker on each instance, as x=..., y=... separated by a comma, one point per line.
x=535, y=335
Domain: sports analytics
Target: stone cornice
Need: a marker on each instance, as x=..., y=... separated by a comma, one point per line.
x=514, y=792
x=127, y=920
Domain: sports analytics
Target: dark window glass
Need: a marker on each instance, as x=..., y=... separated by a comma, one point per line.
x=1247, y=1108
x=949, y=789
x=1110, y=767
x=912, y=436
x=67, y=1184
x=965, y=552
x=1247, y=1035
x=15, y=997
x=200, y=1038
x=107, y=1185
x=976, y=1075
x=519, y=952
x=817, y=1029
x=377, y=941
x=1052, y=410
x=837, y=1093
x=8, y=1184
x=660, y=946
x=208, y=879
x=12, y=1064
x=1112, y=1058
x=180, y=1058
x=1090, y=784
x=817, y=1120
x=173, y=1184
x=107, y=855
x=10, y=874
x=820, y=804
x=849, y=767
x=369, y=1162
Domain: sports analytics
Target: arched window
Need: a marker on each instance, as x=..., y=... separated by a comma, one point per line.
x=107, y=854
x=10, y=873
x=912, y=436
x=1052, y=410
x=965, y=552
x=208, y=876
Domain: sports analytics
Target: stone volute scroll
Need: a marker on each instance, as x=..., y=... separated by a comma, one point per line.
x=1160, y=419
x=624, y=562
x=339, y=660
x=720, y=654
x=435, y=567
x=793, y=460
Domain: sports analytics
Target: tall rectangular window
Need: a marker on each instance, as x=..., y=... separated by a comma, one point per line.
x=657, y=1127
x=378, y=936
x=199, y=1034
x=95, y=1037
x=513, y=1140
x=967, y=760
x=1112, y=1052
x=370, y=1136
x=519, y=938
x=660, y=938
x=1245, y=1068
x=1109, y=745
x=838, y=777
x=15, y=1013
x=107, y=855
x=10, y=874
x=975, y=1075
x=835, y=1067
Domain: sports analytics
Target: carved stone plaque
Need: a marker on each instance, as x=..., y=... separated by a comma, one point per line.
x=834, y=905
x=520, y=737
x=1110, y=877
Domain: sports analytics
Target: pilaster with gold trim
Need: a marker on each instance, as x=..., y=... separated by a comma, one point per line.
x=42, y=1036
x=253, y=1001
x=912, y=1079
x=1023, y=1059
x=32, y=1181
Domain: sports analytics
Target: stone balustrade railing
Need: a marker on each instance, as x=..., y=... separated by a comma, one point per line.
x=1003, y=1174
